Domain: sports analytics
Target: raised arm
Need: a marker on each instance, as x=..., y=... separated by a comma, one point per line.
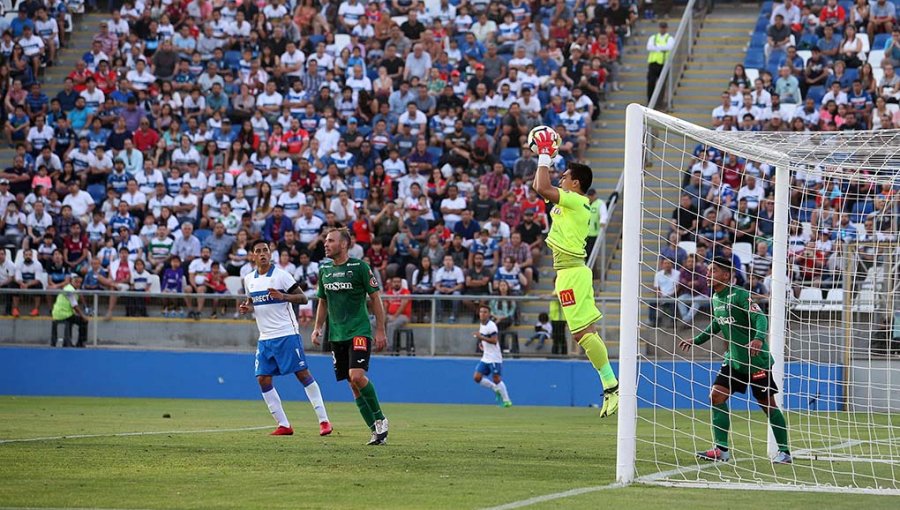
x=545, y=148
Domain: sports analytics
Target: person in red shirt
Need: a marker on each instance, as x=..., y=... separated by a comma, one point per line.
x=76, y=249
x=295, y=139
x=145, y=137
x=397, y=311
x=362, y=228
x=106, y=78
x=536, y=205
x=606, y=51
x=79, y=76
x=832, y=15
x=378, y=256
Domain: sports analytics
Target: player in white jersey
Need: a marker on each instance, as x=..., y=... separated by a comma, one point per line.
x=491, y=363
x=272, y=294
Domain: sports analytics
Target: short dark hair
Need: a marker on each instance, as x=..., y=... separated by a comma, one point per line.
x=256, y=243
x=723, y=263
x=583, y=174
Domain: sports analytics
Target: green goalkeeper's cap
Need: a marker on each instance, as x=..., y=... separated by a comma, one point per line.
x=723, y=263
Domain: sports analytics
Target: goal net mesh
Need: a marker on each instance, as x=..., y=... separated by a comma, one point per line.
x=712, y=193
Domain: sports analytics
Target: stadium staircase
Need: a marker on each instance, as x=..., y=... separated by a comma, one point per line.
x=716, y=51
x=84, y=27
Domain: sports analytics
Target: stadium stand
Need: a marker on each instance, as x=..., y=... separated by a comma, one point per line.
x=839, y=76
x=190, y=128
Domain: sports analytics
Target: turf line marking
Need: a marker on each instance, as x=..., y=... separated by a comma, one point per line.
x=557, y=495
x=129, y=434
x=56, y=508
x=654, y=478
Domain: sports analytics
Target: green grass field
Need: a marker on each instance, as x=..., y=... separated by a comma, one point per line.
x=439, y=456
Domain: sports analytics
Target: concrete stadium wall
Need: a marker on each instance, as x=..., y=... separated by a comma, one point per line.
x=220, y=375
x=874, y=387
x=155, y=333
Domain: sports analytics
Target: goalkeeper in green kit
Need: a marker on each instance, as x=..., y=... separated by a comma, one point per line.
x=747, y=361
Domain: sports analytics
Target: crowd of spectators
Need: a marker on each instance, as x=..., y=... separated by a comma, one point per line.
x=190, y=128
x=727, y=200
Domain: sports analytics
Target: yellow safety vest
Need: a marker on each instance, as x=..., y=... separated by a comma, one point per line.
x=658, y=57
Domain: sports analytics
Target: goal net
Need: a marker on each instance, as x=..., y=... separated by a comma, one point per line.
x=810, y=222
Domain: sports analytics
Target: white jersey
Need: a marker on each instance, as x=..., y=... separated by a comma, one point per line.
x=274, y=318
x=491, y=352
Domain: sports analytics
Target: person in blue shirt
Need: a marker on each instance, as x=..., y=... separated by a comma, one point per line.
x=223, y=136
x=18, y=24
x=17, y=126
x=861, y=101
x=118, y=179
x=491, y=120
x=472, y=48
x=36, y=102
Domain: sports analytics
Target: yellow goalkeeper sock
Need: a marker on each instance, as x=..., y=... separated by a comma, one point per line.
x=595, y=350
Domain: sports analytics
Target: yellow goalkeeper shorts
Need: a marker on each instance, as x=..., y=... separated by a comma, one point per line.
x=575, y=291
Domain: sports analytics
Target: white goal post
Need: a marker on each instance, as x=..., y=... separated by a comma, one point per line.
x=812, y=223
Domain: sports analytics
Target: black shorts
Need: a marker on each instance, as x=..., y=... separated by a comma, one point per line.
x=353, y=353
x=761, y=383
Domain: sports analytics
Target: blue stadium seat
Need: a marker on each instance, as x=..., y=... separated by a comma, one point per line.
x=202, y=233
x=365, y=131
x=767, y=7
x=762, y=23
x=806, y=210
x=232, y=59
x=852, y=74
x=758, y=40
x=808, y=41
x=754, y=60
x=816, y=93
x=436, y=154
x=314, y=40
x=469, y=130
x=861, y=209
x=508, y=157
x=880, y=41
x=847, y=5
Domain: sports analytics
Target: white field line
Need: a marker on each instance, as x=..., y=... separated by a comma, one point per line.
x=556, y=495
x=656, y=479
x=128, y=434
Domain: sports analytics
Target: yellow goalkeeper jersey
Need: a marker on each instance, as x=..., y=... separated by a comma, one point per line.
x=569, y=231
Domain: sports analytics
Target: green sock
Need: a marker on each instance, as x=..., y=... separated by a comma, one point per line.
x=595, y=350
x=779, y=429
x=367, y=393
x=365, y=412
x=721, y=423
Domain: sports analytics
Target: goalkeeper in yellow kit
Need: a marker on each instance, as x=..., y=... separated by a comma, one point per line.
x=574, y=280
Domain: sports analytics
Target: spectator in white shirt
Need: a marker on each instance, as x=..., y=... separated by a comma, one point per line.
x=665, y=284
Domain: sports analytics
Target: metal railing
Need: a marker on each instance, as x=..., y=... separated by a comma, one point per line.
x=91, y=298
x=688, y=28
x=598, y=252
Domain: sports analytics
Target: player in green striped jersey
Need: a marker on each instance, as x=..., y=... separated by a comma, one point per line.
x=344, y=285
x=747, y=362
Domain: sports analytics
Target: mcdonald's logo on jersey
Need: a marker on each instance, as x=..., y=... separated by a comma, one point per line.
x=567, y=297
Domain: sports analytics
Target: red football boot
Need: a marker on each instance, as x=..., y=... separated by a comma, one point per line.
x=325, y=428
x=283, y=431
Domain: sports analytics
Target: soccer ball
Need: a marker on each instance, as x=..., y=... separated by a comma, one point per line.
x=543, y=129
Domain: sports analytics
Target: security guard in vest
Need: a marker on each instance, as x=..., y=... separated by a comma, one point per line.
x=658, y=47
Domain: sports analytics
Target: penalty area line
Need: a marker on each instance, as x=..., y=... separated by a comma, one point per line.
x=129, y=434
x=557, y=495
